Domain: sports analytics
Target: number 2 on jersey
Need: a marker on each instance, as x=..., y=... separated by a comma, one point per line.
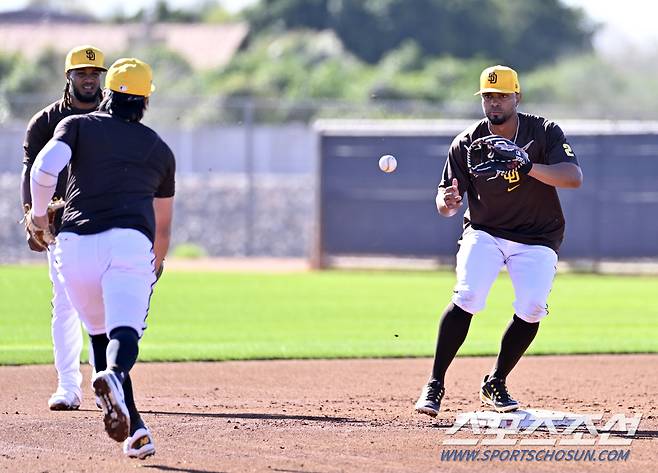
x=567, y=150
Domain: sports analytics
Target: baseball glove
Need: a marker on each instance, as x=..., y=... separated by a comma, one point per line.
x=493, y=156
x=38, y=238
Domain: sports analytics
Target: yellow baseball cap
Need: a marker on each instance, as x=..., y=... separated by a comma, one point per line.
x=501, y=79
x=129, y=75
x=84, y=56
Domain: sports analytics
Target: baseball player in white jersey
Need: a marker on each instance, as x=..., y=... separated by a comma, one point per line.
x=115, y=233
x=514, y=219
x=82, y=94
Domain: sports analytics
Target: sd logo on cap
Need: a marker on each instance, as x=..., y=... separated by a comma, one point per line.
x=84, y=56
x=500, y=79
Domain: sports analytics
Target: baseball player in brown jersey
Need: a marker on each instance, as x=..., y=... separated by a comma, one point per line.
x=514, y=219
x=115, y=233
x=82, y=94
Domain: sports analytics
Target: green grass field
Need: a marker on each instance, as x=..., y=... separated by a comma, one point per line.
x=221, y=316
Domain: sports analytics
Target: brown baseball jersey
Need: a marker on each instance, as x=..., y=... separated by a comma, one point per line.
x=116, y=169
x=39, y=131
x=518, y=207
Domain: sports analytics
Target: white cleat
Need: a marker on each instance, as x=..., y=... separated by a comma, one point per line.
x=63, y=400
x=140, y=444
x=109, y=392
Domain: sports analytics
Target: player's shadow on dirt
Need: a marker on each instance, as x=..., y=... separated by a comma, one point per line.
x=260, y=416
x=181, y=470
x=187, y=470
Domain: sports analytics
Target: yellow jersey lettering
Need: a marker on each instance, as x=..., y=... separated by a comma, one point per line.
x=512, y=176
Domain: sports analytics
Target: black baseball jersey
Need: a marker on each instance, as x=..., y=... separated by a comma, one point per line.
x=39, y=131
x=518, y=207
x=116, y=170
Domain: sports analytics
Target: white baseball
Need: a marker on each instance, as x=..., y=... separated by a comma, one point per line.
x=388, y=163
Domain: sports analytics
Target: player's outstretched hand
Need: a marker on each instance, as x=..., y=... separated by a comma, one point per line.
x=451, y=197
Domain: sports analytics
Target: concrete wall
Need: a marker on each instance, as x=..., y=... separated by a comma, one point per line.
x=366, y=212
x=252, y=191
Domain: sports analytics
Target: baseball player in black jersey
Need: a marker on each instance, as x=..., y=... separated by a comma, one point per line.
x=82, y=94
x=514, y=219
x=115, y=233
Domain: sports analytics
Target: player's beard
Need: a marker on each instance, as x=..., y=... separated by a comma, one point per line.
x=83, y=96
x=498, y=119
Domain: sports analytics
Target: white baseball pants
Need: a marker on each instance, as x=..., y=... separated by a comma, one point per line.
x=66, y=333
x=480, y=258
x=108, y=276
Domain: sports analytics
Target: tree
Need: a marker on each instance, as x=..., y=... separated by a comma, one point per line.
x=524, y=33
x=288, y=15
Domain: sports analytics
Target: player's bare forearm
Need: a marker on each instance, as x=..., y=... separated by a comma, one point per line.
x=161, y=244
x=25, y=186
x=558, y=175
x=160, y=248
x=164, y=209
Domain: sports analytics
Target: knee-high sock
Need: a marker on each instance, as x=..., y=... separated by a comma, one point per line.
x=452, y=333
x=516, y=340
x=122, y=350
x=136, y=421
x=99, y=348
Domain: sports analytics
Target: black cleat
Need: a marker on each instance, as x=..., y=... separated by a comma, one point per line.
x=429, y=401
x=494, y=393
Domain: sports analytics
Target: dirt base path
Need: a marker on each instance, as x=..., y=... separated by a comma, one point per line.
x=320, y=416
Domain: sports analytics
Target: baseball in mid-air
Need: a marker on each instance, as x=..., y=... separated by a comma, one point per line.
x=388, y=163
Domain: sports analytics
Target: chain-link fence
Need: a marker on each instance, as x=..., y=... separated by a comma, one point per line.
x=247, y=170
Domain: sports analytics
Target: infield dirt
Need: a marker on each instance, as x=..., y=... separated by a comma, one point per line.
x=318, y=415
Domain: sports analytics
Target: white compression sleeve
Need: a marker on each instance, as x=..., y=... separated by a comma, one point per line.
x=50, y=161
